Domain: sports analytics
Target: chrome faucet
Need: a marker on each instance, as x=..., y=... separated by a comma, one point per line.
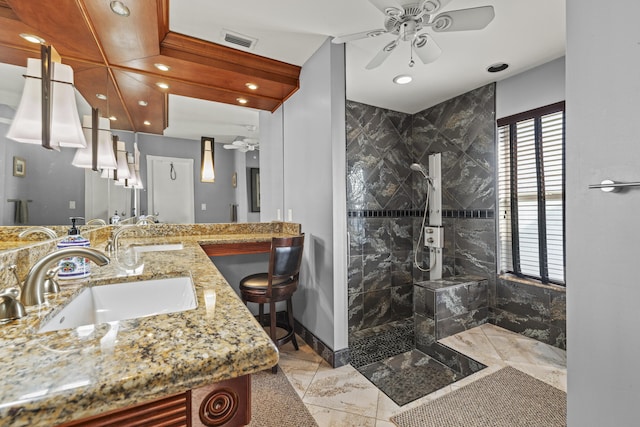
x=33, y=289
x=149, y=219
x=116, y=234
x=39, y=229
x=98, y=221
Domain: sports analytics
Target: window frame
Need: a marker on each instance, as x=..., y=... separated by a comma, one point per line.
x=512, y=121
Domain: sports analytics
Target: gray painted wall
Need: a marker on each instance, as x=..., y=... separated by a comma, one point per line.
x=518, y=305
x=217, y=196
x=531, y=89
x=47, y=172
x=271, y=164
x=603, y=132
x=313, y=145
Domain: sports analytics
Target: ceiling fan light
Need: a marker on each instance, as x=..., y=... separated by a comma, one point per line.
x=402, y=79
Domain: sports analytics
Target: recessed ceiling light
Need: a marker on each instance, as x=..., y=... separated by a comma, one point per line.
x=251, y=86
x=113, y=118
x=143, y=103
x=402, y=79
x=147, y=123
x=32, y=38
x=496, y=68
x=162, y=67
x=119, y=8
x=101, y=96
x=241, y=100
x=162, y=85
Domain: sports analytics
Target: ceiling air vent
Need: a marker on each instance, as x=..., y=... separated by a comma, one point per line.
x=237, y=39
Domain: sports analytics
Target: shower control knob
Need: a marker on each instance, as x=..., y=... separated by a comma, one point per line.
x=429, y=230
x=430, y=240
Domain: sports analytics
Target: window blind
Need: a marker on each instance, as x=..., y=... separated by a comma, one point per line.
x=531, y=194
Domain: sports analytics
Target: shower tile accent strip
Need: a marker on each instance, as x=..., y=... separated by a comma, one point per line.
x=412, y=213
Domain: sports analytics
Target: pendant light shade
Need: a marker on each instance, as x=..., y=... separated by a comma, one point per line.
x=121, y=159
x=106, y=157
x=65, y=123
x=136, y=156
x=207, y=173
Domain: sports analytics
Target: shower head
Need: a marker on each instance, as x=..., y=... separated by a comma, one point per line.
x=418, y=168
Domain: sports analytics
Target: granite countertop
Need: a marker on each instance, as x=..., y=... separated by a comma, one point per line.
x=53, y=377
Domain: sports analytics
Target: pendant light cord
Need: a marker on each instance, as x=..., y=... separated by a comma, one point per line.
x=172, y=173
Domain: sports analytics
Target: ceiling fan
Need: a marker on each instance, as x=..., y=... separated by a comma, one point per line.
x=243, y=145
x=406, y=21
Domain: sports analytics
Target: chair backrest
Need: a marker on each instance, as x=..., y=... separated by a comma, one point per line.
x=284, y=262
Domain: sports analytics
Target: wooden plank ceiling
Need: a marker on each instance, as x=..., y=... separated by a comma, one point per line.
x=115, y=56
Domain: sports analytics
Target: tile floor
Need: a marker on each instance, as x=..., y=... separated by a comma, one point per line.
x=344, y=397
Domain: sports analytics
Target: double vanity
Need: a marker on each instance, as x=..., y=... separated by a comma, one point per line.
x=99, y=348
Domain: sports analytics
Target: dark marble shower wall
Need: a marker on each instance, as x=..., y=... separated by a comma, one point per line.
x=463, y=130
x=379, y=197
x=385, y=198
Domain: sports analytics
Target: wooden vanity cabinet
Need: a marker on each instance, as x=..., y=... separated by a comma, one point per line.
x=226, y=403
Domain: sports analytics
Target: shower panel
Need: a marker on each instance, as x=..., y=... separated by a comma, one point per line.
x=434, y=233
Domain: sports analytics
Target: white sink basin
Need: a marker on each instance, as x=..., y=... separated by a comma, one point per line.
x=158, y=247
x=121, y=301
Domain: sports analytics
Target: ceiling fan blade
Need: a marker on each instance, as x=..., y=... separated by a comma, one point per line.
x=426, y=48
x=475, y=18
x=238, y=143
x=387, y=7
x=430, y=7
x=230, y=147
x=358, y=36
x=382, y=55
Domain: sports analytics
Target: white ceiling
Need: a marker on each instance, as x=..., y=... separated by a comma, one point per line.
x=524, y=34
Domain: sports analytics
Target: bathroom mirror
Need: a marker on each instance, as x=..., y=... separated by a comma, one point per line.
x=54, y=190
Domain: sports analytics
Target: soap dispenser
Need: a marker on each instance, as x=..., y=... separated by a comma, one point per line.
x=73, y=267
x=115, y=218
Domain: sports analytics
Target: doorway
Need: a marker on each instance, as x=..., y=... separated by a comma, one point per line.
x=170, y=189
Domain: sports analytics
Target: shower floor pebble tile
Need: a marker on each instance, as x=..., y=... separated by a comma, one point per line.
x=344, y=397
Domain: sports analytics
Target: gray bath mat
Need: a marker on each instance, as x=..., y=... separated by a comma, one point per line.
x=506, y=398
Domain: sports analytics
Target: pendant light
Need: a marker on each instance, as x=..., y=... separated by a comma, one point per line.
x=122, y=170
x=207, y=173
x=136, y=156
x=53, y=123
x=105, y=158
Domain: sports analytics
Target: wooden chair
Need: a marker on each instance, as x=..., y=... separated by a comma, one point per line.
x=278, y=284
